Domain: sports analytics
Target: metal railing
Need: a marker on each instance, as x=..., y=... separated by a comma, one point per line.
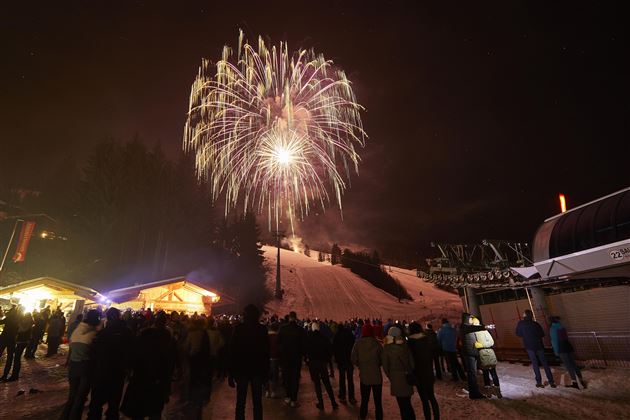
x=607, y=348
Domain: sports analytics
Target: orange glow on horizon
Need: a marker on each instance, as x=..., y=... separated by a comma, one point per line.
x=563, y=203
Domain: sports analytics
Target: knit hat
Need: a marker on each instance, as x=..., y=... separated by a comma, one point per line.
x=415, y=328
x=394, y=332
x=315, y=326
x=93, y=317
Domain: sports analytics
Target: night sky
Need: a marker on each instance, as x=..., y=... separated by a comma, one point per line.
x=478, y=113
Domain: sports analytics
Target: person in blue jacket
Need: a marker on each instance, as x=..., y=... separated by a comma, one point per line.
x=564, y=350
x=447, y=337
x=532, y=334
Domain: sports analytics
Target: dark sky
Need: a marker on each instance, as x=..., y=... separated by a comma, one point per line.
x=478, y=113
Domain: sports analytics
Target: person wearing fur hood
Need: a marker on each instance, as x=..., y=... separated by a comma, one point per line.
x=398, y=364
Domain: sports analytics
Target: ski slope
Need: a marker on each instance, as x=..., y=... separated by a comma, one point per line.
x=318, y=289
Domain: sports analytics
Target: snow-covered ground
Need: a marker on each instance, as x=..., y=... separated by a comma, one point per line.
x=318, y=289
x=607, y=397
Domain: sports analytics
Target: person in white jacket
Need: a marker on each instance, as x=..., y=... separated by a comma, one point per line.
x=487, y=359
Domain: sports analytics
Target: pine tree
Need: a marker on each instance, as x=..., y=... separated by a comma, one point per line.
x=249, y=269
x=335, y=254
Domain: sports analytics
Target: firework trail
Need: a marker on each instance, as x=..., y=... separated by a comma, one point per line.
x=273, y=131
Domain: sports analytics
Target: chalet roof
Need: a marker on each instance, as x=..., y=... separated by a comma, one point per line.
x=125, y=293
x=55, y=284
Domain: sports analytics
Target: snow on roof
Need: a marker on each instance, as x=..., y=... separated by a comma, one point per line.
x=136, y=289
x=53, y=283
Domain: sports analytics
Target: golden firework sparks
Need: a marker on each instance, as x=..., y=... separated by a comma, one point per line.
x=273, y=130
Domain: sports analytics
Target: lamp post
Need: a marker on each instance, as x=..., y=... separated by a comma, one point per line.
x=6, y=252
x=278, y=294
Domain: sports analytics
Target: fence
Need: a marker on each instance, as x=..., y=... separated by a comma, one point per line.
x=610, y=348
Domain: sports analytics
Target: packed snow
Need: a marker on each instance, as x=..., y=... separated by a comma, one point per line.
x=607, y=397
x=319, y=289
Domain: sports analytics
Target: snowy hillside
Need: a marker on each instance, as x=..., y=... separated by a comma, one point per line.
x=318, y=289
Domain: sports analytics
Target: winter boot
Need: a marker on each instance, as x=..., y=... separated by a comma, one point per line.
x=573, y=385
x=497, y=391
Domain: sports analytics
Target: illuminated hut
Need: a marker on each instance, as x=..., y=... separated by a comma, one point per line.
x=176, y=294
x=36, y=294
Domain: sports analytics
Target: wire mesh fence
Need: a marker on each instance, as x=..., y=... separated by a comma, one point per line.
x=610, y=348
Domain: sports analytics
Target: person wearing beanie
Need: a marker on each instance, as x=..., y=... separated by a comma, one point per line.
x=291, y=343
x=397, y=364
x=248, y=361
x=532, y=334
x=25, y=328
x=436, y=350
x=80, y=368
x=343, y=342
x=319, y=352
x=420, y=348
x=152, y=363
x=367, y=355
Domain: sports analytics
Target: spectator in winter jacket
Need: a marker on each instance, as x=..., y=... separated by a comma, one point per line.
x=216, y=345
x=387, y=326
x=327, y=332
x=367, y=356
x=37, y=334
x=196, y=354
x=564, y=350
x=342, y=349
x=80, y=367
x=397, y=363
x=73, y=325
x=152, y=362
x=248, y=361
x=470, y=353
x=447, y=338
x=423, y=370
x=25, y=328
x=273, y=384
x=8, y=337
x=377, y=327
x=435, y=349
x=532, y=334
x=56, y=327
x=319, y=352
x=291, y=345
x=111, y=360
x=487, y=358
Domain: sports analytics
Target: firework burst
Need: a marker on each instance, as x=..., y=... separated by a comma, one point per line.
x=272, y=130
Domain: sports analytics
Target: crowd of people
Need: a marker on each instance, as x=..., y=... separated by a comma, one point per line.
x=149, y=351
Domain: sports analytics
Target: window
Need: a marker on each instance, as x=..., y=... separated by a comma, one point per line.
x=565, y=240
x=622, y=219
x=584, y=228
x=604, y=228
